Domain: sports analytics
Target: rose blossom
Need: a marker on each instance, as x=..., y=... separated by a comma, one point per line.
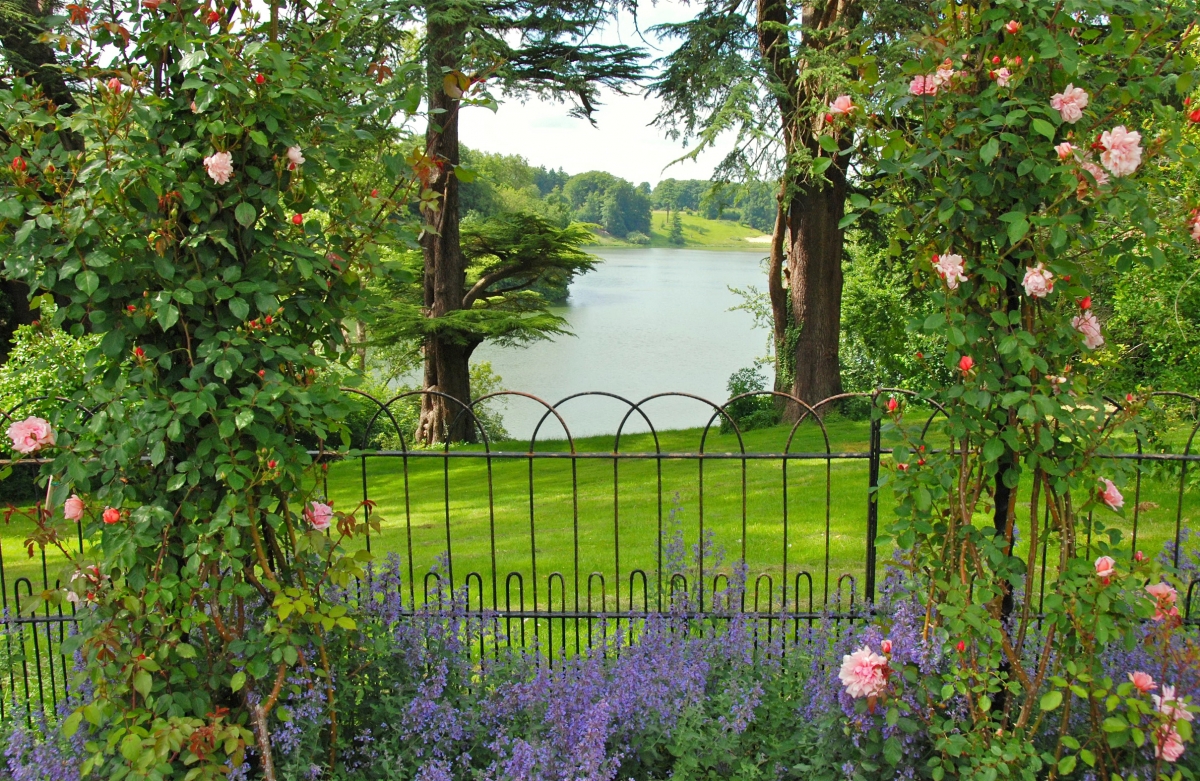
x=220, y=166
x=923, y=85
x=73, y=509
x=1105, y=566
x=886, y=646
x=1122, y=150
x=1142, y=682
x=1089, y=326
x=1195, y=225
x=1038, y=282
x=1070, y=103
x=951, y=268
x=295, y=158
x=1171, y=707
x=1064, y=150
x=966, y=363
x=111, y=515
x=864, y=673
x=114, y=85
x=1002, y=76
x=30, y=435
x=1111, y=496
x=320, y=515
x=1164, y=600
x=1013, y=27
x=1096, y=171
x=1168, y=745
x=842, y=105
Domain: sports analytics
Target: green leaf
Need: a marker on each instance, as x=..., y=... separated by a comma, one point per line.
x=988, y=152
x=142, y=682
x=245, y=214
x=11, y=208
x=1051, y=700
x=185, y=651
x=1017, y=230
x=828, y=144
x=237, y=681
x=240, y=308
x=993, y=449
x=131, y=747
x=71, y=725
x=88, y=282
x=1066, y=764
x=168, y=316
x=244, y=418
x=1044, y=128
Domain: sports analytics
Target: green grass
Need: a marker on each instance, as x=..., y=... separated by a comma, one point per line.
x=698, y=233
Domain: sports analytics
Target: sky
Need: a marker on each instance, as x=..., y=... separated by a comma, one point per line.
x=622, y=142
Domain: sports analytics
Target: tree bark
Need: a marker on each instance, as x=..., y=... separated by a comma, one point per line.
x=446, y=363
x=815, y=275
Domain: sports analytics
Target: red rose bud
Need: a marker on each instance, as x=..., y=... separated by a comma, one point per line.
x=297, y=219
x=271, y=464
x=151, y=5
x=966, y=363
x=139, y=352
x=886, y=647
x=1086, y=303
x=374, y=193
x=268, y=319
x=1013, y=27
x=892, y=404
x=1195, y=116
x=213, y=17
x=1139, y=556
x=961, y=646
x=1017, y=60
x=260, y=79
x=995, y=61
x=262, y=372
x=1129, y=397
x=829, y=117
x=902, y=467
x=131, y=308
x=920, y=356
x=18, y=164
x=1187, y=101
x=111, y=515
x=920, y=462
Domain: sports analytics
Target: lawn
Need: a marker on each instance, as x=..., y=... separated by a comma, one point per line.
x=698, y=233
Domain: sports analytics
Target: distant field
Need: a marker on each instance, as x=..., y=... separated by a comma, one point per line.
x=698, y=233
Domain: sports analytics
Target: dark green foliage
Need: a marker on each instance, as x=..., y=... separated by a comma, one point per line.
x=614, y=204
x=750, y=412
x=676, y=234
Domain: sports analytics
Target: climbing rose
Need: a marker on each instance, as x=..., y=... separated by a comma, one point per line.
x=941, y=77
x=842, y=105
x=1142, y=682
x=73, y=509
x=966, y=363
x=220, y=166
x=30, y=435
x=1064, y=150
x=295, y=158
x=1168, y=745
x=1089, y=326
x=1111, y=496
x=1096, y=171
x=1013, y=27
x=1002, y=76
x=1164, y=598
x=1039, y=282
x=111, y=515
x=319, y=515
x=1070, y=103
x=1105, y=566
x=1122, y=150
x=114, y=85
x=1195, y=224
x=951, y=268
x=923, y=85
x=864, y=673
x=1171, y=707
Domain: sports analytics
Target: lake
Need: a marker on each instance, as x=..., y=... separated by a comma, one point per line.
x=646, y=321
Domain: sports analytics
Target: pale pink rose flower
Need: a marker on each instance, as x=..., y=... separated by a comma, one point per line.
x=864, y=673
x=1142, y=682
x=219, y=166
x=1002, y=76
x=1096, y=171
x=73, y=509
x=842, y=105
x=942, y=76
x=1168, y=705
x=295, y=158
x=1122, y=150
x=1089, y=326
x=1105, y=566
x=114, y=85
x=1070, y=103
x=1164, y=593
x=1039, y=282
x=951, y=268
x=1111, y=496
x=194, y=109
x=30, y=435
x=1196, y=227
x=1064, y=150
x=917, y=86
x=1168, y=745
x=319, y=515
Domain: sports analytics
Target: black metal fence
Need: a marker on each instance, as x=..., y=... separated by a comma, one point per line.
x=556, y=538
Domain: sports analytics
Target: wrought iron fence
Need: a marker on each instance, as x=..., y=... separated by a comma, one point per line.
x=558, y=539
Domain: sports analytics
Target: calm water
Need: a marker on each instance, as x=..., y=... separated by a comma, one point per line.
x=646, y=321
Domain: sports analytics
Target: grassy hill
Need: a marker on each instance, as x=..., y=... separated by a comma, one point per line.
x=698, y=233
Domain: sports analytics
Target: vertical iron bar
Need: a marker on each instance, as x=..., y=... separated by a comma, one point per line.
x=872, y=503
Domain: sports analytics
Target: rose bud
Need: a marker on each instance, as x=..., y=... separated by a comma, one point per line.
x=297, y=219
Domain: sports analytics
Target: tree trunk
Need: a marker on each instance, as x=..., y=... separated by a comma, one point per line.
x=446, y=363
x=814, y=262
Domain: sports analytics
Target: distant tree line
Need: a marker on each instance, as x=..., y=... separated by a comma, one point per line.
x=750, y=203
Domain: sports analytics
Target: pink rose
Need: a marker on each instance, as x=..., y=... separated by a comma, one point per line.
x=950, y=268
x=1013, y=27
x=886, y=646
x=1096, y=171
x=111, y=515
x=295, y=158
x=73, y=509
x=917, y=86
x=114, y=85
x=1105, y=566
x=1142, y=682
x=1111, y=496
x=1089, y=326
x=1167, y=744
x=1065, y=149
x=1122, y=150
x=1070, y=103
x=1002, y=76
x=1169, y=706
x=320, y=515
x=30, y=435
x=220, y=166
x=924, y=85
x=842, y=105
x=864, y=673
x=1195, y=225
x=1038, y=282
